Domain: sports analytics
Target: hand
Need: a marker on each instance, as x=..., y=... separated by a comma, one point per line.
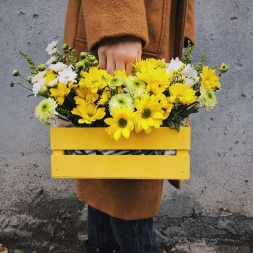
x=119, y=53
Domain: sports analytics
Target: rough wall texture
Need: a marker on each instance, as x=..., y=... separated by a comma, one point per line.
x=43, y=214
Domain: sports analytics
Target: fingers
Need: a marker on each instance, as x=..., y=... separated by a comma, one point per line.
x=129, y=68
x=110, y=65
x=119, y=53
x=120, y=65
x=102, y=60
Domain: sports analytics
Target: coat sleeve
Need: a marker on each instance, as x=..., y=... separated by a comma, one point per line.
x=107, y=18
x=189, y=33
x=71, y=21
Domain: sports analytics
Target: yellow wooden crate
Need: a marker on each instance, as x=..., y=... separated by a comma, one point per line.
x=120, y=166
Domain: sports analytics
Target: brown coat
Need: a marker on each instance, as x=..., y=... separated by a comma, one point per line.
x=163, y=26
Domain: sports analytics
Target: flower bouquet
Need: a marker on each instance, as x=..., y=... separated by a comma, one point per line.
x=157, y=95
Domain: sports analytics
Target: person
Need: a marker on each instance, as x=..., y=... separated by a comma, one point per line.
x=120, y=212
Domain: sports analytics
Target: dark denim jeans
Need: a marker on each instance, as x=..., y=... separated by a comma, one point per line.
x=132, y=236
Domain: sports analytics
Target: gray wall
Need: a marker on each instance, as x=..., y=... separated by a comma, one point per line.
x=34, y=206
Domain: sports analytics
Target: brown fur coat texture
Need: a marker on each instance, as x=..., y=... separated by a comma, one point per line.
x=164, y=26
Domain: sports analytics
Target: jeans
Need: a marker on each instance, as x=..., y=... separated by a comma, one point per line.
x=132, y=236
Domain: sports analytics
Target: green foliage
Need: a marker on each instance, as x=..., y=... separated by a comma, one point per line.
x=33, y=68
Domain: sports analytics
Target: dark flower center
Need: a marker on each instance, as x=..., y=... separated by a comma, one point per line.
x=44, y=108
x=146, y=113
x=122, y=123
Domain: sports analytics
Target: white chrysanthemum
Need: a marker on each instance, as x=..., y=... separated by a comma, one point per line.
x=37, y=77
x=207, y=98
x=59, y=66
x=189, y=71
x=174, y=65
x=135, y=86
x=51, y=48
x=53, y=82
x=51, y=61
x=190, y=74
x=45, y=110
x=67, y=75
x=38, y=86
x=190, y=81
x=121, y=100
x=115, y=81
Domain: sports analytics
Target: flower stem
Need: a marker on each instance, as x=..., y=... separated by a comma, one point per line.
x=24, y=86
x=24, y=79
x=59, y=117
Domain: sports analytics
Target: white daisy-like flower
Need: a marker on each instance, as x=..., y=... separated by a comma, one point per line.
x=38, y=86
x=46, y=110
x=189, y=71
x=115, y=81
x=51, y=61
x=37, y=77
x=121, y=100
x=135, y=86
x=53, y=82
x=67, y=75
x=174, y=65
x=51, y=48
x=190, y=74
x=59, y=66
x=190, y=81
x=207, y=98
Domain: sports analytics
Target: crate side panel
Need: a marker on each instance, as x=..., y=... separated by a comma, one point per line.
x=96, y=138
x=131, y=167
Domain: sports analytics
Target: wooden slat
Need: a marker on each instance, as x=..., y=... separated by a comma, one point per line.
x=121, y=167
x=90, y=138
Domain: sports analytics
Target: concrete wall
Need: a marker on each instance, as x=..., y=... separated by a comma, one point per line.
x=43, y=213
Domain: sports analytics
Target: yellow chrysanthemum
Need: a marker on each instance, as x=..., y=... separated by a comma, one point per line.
x=121, y=73
x=88, y=113
x=86, y=94
x=167, y=106
x=50, y=76
x=60, y=92
x=80, y=100
x=157, y=80
x=94, y=80
x=104, y=98
x=149, y=63
x=121, y=123
x=182, y=93
x=120, y=90
x=209, y=79
x=73, y=86
x=149, y=113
